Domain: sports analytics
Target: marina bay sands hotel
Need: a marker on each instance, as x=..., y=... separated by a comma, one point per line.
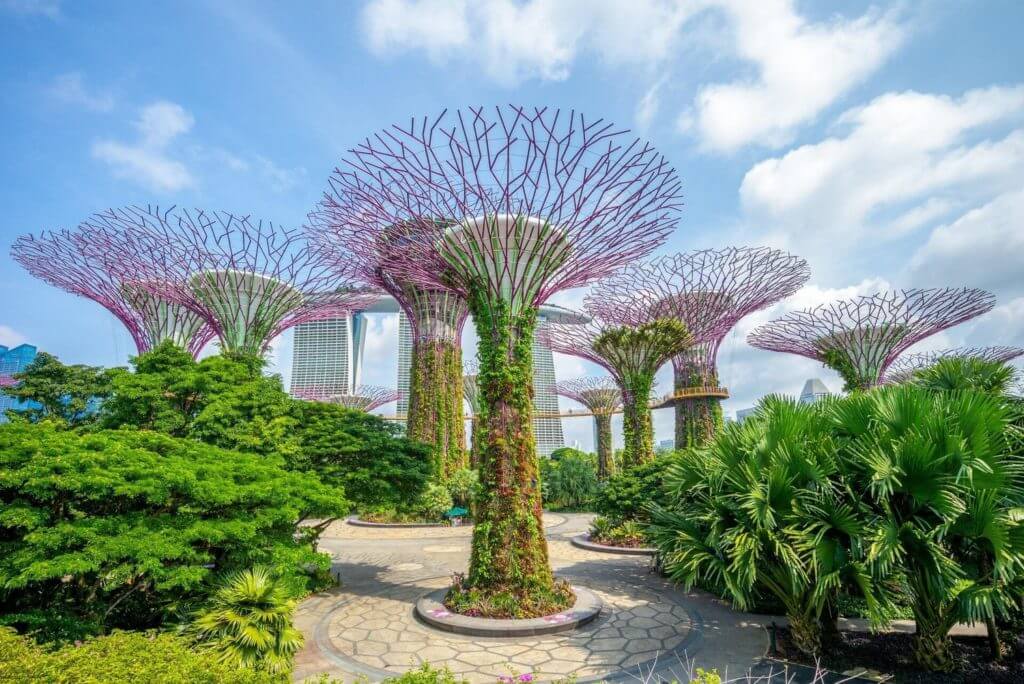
x=328, y=354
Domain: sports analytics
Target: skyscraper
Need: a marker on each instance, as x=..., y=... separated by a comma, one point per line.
x=814, y=389
x=327, y=354
x=404, y=362
x=13, y=361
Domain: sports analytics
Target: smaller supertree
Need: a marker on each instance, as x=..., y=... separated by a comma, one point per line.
x=363, y=398
x=632, y=354
x=471, y=393
x=602, y=396
x=860, y=338
x=903, y=368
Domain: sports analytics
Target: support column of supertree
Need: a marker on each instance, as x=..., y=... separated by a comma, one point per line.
x=362, y=398
x=250, y=280
x=860, y=338
x=709, y=290
x=80, y=262
x=541, y=201
x=603, y=398
x=437, y=317
x=632, y=352
x=471, y=393
x=904, y=367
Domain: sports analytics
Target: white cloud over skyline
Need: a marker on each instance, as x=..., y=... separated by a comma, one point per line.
x=147, y=160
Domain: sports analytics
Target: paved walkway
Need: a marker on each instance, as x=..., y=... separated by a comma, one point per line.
x=366, y=627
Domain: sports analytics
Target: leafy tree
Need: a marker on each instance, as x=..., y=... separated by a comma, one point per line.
x=363, y=453
x=945, y=489
x=248, y=623
x=571, y=479
x=123, y=528
x=628, y=494
x=768, y=511
x=68, y=394
x=980, y=375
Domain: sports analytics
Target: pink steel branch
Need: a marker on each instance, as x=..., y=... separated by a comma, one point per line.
x=363, y=398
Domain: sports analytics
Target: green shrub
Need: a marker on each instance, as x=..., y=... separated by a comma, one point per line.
x=463, y=485
x=628, y=493
x=569, y=481
x=125, y=529
x=120, y=658
x=434, y=502
x=630, y=533
x=425, y=674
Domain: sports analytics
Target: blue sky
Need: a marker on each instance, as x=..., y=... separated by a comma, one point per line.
x=883, y=142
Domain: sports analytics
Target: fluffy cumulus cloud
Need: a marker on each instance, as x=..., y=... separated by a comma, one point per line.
x=894, y=166
x=148, y=159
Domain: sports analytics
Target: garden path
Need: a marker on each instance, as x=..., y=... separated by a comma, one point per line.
x=366, y=628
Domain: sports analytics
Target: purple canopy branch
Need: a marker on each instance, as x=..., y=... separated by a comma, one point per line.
x=363, y=398
x=602, y=396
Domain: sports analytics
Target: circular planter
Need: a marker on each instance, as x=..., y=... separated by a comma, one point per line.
x=431, y=610
x=354, y=520
x=583, y=541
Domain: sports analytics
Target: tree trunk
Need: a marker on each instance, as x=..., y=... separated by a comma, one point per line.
x=435, y=404
x=806, y=633
x=933, y=649
x=637, y=427
x=605, y=456
x=510, y=554
x=699, y=418
x=994, y=643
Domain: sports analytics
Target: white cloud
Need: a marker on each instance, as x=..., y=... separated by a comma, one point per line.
x=801, y=68
x=71, y=88
x=147, y=160
x=896, y=165
x=47, y=8
x=9, y=337
x=280, y=179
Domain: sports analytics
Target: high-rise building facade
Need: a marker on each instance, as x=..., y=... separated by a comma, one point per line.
x=327, y=355
x=814, y=389
x=404, y=362
x=13, y=361
x=547, y=430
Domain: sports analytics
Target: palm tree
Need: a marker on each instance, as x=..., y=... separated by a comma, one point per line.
x=943, y=486
x=249, y=623
x=767, y=511
x=967, y=373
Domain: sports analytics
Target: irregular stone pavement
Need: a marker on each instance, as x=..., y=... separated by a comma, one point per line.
x=366, y=628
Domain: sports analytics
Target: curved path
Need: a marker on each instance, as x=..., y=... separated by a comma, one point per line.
x=366, y=628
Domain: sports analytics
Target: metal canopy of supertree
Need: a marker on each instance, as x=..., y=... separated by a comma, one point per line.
x=632, y=352
x=602, y=396
x=249, y=280
x=470, y=390
x=860, y=338
x=437, y=318
x=362, y=398
x=506, y=206
x=903, y=368
x=83, y=262
x=709, y=290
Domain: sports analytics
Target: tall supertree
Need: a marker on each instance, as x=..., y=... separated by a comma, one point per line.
x=79, y=261
x=709, y=290
x=904, y=367
x=511, y=205
x=362, y=398
x=602, y=397
x=249, y=279
x=436, y=316
x=632, y=353
x=860, y=338
x=471, y=393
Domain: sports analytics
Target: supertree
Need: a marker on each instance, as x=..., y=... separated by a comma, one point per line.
x=512, y=205
x=362, y=398
x=471, y=393
x=79, y=261
x=859, y=338
x=632, y=353
x=249, y=279
x=904, y=367
x=602, y=396
x=436, y=317
x=709, y=290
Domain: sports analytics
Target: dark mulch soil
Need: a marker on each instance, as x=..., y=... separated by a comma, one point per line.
x=893, y=654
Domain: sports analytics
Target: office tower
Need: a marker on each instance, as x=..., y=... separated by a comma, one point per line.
x=814, y=389
x=13, y=361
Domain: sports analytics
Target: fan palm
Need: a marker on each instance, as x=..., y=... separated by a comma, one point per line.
x=943, y=487
x=980, y=375
x=249, y=623
x=767, y=510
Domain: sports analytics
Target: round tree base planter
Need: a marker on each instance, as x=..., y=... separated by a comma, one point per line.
x=431, y=610
x=354, y=520
x=583, y=542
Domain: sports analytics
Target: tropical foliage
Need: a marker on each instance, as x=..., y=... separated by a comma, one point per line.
x=66, y=394
x=569, y=479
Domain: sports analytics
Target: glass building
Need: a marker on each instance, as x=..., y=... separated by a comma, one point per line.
x=814, y=389
x=13, y=361
x=327, y=355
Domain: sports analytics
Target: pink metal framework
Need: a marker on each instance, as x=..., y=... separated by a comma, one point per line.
x=601, y=395
x=249, y=280
x=522, y=202
x=709, y=290
x=83, y=262
x=871, y=331
x=470, y=389
x=364, y=398
x=907, y=364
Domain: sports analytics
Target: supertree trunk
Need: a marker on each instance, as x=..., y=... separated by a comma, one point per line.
x=435, y=404
x=509, y=507
x=698, y=419
x=637, y=425
x=605, y=456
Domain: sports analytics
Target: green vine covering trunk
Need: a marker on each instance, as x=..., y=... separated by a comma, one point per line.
x=637, y=424
x=697, y=418
x=435, y=404
x=509, y=560
x=605, y=459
